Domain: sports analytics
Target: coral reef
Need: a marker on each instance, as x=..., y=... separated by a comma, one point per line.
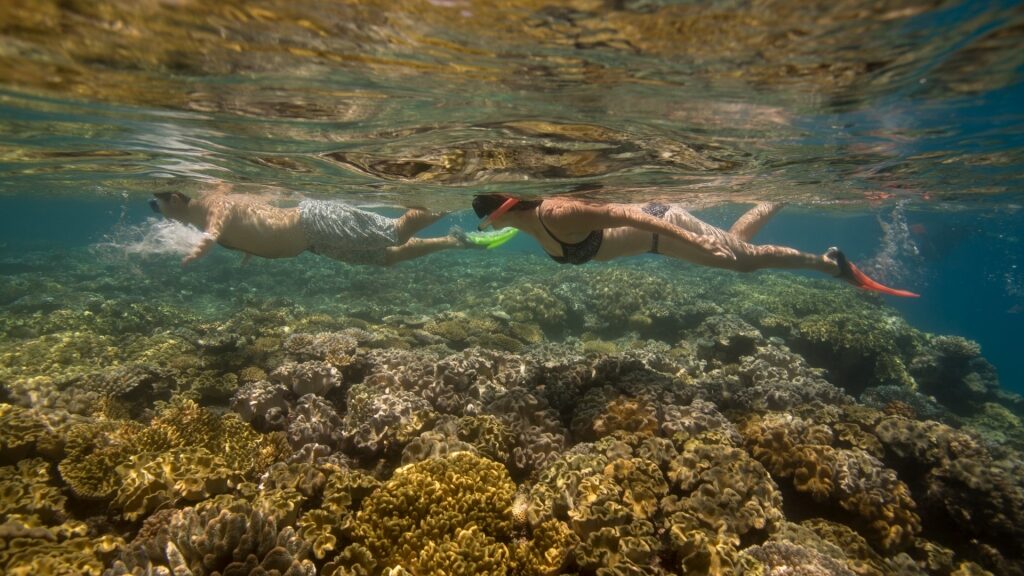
x=952, y=370
x=218, y=537
x=961, y=483
x=802, y=451
x=450, y=514
x=29, y=547
x=314, y=421
x=312, y=377
x=262, y=404
x=274, y=427
x=186, y=452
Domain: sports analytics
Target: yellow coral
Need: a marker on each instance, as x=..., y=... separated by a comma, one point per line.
x=24, y=432
x=31, y=549
x=428, y=512
x=26, y=489
x=151, y=481
x=547, y=551
x=150, y=465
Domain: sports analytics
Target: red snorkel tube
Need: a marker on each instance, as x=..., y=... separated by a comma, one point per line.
x=505, y=207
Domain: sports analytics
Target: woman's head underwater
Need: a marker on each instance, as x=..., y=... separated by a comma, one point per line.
x=491, y=207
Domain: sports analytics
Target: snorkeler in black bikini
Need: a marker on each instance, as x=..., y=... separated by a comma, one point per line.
x=575, y=232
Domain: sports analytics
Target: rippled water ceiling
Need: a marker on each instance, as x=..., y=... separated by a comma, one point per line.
x=810, y=101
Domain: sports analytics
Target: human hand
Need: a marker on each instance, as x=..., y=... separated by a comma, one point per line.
x=199, y=251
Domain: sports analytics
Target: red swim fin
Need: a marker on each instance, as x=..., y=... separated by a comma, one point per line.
x=850, y=273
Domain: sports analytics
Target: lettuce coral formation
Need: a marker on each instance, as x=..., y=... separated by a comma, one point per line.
x=395, y=435
x=441, y=515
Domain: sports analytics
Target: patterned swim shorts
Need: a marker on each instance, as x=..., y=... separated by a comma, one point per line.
x=343, y=232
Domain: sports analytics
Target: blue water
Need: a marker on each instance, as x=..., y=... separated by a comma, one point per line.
x=969, y=272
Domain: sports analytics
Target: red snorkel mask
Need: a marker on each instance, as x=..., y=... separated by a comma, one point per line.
x=498, y=213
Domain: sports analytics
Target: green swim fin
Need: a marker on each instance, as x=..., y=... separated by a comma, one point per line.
x=492, y=240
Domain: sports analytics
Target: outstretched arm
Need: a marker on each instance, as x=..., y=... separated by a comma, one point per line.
x=214, y=225
x=582, y=216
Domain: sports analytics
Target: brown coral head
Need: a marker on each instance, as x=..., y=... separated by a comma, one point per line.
x=900, y=408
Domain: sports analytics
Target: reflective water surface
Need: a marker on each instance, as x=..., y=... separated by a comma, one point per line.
x=810, y=101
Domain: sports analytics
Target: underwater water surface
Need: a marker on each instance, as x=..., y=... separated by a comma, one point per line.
x=492, y=411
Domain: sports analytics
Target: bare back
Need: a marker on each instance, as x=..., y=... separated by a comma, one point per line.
x=252, y=225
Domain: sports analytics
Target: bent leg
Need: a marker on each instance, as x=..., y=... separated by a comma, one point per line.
x=750, y=223
x=418, y=247
x=413, y=221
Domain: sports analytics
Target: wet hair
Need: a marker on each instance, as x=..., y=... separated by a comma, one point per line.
x=166, y=196
x=484, y=204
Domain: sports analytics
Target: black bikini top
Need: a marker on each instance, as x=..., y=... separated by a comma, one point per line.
x=579, y=253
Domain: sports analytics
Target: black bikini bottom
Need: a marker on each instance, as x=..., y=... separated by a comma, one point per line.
x=657, y=210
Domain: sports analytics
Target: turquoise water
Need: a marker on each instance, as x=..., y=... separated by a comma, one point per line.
x=493, y=412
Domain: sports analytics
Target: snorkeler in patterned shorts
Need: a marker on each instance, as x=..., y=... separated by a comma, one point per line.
x=573, y=231
x=329, y=228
